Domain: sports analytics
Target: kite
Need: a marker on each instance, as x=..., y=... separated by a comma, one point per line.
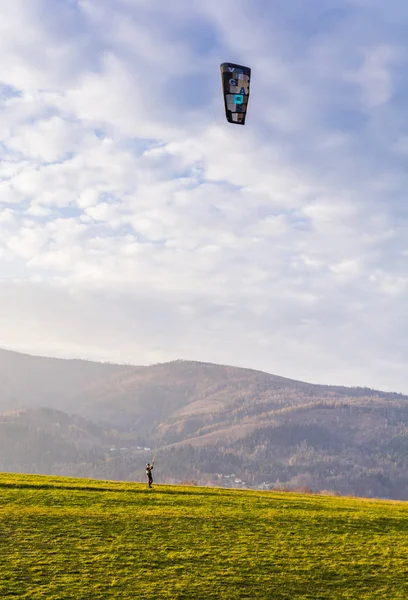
x=235, y=87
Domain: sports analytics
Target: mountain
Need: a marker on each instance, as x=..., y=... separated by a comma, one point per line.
x=32, y=381
x=210, y=421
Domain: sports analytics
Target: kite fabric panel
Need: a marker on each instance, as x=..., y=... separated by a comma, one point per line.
x=235, y=87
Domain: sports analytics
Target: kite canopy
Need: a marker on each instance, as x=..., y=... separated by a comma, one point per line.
x=235, y=87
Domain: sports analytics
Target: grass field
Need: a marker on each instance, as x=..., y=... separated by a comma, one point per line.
x=71, y=539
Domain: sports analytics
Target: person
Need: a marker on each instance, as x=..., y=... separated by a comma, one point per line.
x=149, y=476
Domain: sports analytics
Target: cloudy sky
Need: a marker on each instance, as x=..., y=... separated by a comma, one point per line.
x=137, y=225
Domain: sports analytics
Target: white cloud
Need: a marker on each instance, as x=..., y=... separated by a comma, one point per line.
x=374, y=76
x=347, y=269
x=50, y=140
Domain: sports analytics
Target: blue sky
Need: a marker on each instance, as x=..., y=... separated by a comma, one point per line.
x=137, y=225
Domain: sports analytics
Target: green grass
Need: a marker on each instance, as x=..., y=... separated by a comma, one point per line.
x=76, y=539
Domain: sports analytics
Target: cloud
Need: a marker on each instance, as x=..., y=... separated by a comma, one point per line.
x=137, y=225
x=374, y=76
x=49, y=141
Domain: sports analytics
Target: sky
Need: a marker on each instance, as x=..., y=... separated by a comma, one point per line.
x=138, y=226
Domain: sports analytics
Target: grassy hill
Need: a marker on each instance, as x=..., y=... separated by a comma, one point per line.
x=87, y=539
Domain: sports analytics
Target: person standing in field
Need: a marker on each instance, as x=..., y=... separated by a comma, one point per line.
x=149, y=469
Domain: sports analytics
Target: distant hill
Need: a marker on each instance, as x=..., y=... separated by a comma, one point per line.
x=180, y=393
x=211, y=421
x=32, y=381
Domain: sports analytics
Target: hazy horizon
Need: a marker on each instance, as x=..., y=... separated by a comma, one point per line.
x=129, y=364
